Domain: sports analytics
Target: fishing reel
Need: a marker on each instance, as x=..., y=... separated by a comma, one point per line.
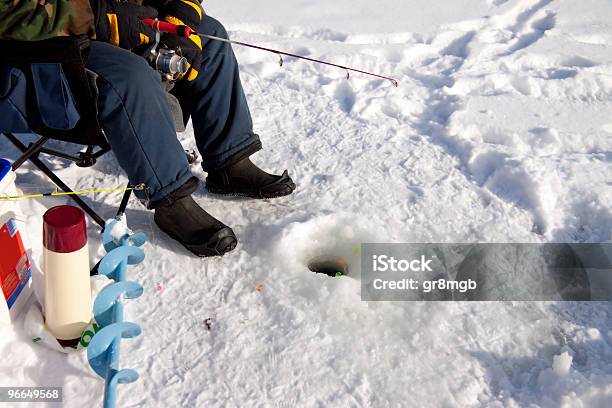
x=169, y=63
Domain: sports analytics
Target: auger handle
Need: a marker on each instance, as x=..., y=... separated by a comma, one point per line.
x=164, y=27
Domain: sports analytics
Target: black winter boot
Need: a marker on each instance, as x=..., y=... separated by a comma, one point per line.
x=179, y=216
x=245, y=179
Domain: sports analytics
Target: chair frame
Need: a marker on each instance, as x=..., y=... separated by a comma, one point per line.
x=85, y=158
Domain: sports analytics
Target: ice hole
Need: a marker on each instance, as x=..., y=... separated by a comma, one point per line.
x=329, y=265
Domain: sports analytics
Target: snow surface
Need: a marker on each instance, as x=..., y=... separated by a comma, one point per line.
x=500, y=131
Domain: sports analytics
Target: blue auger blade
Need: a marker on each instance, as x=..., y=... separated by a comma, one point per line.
x=111, y=261
x=109, y=296
x=136, y=239
x=125, y=376
x=108, y=241
x=97, y=351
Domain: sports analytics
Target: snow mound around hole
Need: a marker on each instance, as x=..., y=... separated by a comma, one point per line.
x=322, y=240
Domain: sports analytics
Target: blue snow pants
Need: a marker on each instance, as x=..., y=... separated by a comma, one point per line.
x=136, y=117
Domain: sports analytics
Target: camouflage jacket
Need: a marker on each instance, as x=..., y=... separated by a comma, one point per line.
x=32, y=20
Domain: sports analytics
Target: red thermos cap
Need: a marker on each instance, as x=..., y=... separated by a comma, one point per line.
x=64, y=229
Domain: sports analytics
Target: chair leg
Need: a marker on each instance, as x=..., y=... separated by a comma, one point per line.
x=31, y=151
x=47, y=171
x=124, y=201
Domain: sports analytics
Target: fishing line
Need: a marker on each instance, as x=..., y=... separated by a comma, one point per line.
x=57, y=193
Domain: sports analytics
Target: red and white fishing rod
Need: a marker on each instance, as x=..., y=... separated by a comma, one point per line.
x=184, y=31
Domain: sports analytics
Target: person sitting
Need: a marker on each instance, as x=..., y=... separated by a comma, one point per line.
x=135, y=115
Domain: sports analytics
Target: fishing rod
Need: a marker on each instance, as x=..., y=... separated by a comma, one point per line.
x=184, y=31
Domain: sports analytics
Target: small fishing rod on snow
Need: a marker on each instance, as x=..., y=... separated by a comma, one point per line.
x=184, y=31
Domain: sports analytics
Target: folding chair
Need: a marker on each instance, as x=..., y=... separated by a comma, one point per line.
x=45, y=89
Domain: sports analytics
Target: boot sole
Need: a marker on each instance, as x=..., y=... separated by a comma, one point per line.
x=224, y=193
x=280, y=188
x=203, y=250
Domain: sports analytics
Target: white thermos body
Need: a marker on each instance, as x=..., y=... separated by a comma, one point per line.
x=67, y=307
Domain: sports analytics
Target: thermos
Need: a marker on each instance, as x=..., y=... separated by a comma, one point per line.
x=67, y=308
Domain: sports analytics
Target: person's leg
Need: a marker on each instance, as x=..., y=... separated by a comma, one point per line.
x=137, y=122
x=134, y=113
x=222, y=123
x=217, y=104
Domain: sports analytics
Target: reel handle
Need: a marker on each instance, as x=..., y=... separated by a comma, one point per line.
x=164, y=27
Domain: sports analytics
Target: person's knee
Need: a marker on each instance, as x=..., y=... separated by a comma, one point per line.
x=213, y=26
x=121, y=68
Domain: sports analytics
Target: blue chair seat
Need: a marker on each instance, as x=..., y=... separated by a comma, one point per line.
x=54, y=106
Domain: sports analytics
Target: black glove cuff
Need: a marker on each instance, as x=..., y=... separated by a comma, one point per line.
x=101, y=21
